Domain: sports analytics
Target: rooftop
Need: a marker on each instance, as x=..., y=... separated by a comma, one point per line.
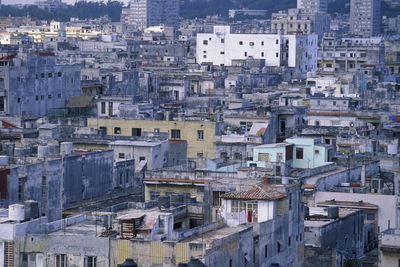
x=257, y=192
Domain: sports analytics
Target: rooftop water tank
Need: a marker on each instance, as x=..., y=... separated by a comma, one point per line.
x=16, y=212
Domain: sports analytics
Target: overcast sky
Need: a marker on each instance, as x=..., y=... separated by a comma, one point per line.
x=7, y=2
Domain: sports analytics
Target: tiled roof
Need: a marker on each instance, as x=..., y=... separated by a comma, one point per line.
x=257, y=192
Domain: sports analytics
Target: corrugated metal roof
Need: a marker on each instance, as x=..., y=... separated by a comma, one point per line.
x=257, y=192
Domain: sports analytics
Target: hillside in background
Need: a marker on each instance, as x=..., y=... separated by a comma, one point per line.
x=189, y=9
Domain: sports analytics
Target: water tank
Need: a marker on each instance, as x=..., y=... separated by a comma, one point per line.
x=392, y=149
x=43, y=151
x=16, y=212
x=66, y=148
x=4, y=160
x=129, y=263
x=333, y=212
x=31, y=209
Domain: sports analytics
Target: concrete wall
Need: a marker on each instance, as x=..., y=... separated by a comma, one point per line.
x=387, y=205
x=87, y=177
x=76, y=247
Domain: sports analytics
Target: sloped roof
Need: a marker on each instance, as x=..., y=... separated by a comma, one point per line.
x=257, y=192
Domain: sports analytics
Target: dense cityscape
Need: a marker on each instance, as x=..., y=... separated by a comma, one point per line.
x=172, y=133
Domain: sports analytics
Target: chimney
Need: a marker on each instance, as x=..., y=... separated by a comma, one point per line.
x=363, y=175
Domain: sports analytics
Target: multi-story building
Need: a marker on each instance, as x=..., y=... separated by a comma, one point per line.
x=313, y=5
x=350, y=54
x=300, y=21
x=146, y=13
x=365, y=17
x=222, y=47
x=199, y=134
x=33, y=84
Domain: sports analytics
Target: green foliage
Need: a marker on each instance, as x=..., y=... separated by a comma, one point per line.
x=80, y=10
x=202, y=8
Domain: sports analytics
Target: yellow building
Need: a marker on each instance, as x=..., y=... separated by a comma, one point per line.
x=198, y=134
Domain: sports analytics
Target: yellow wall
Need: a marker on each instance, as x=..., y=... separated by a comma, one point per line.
x=177, y=189
x=188, y=131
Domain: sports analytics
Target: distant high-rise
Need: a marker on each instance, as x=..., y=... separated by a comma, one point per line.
x=365, y=17
x=313, y=6
x=146, y=13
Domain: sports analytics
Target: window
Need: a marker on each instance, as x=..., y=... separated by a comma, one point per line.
x=42, y=75
x=199, y=155
x=127, y=177
x=240, y=42
x=263, y=157
x=117, y=130
x=200, y=135
x=289, y=241
x=60, y=260
x=59, y=74
x=251, y=43
x=222, y=40
x=18, y=100
x=262, y=43
x=142, y=158
x=59, y=95
x=175, y=134
x=277, y=54
x=103, y=107
x=266, y=251
x=245, y=54
x=154, y=195
x=370, y=216
x=121, y=155
x=316, y=152
x=37, y=98
x=299, y=153
x=290, y=202
x=279, y=156
x=136, y=131
x=316, y=123
x=222, y=53
x=90, y=261
x=120, y=178
x=50, y=75
x=334, y=103
x=204, y=56
x=41, y=97
x=205, y=42
x=278, y=246
x=277, y=41
x=262, y=54
x=49, y=96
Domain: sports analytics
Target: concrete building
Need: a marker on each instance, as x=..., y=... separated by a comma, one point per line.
x=389, y=248
x=274, y=210
x=33, y=84
x=198, y=134
x=365, y=17
x=146, y=13
x=313, y=6
x=333, y=237
x=222, y=47
x=300, y=21
x=154, y=154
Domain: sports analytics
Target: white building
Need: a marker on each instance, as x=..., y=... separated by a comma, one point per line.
x=313, y=5
x=154, y=154
x=221, y=47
